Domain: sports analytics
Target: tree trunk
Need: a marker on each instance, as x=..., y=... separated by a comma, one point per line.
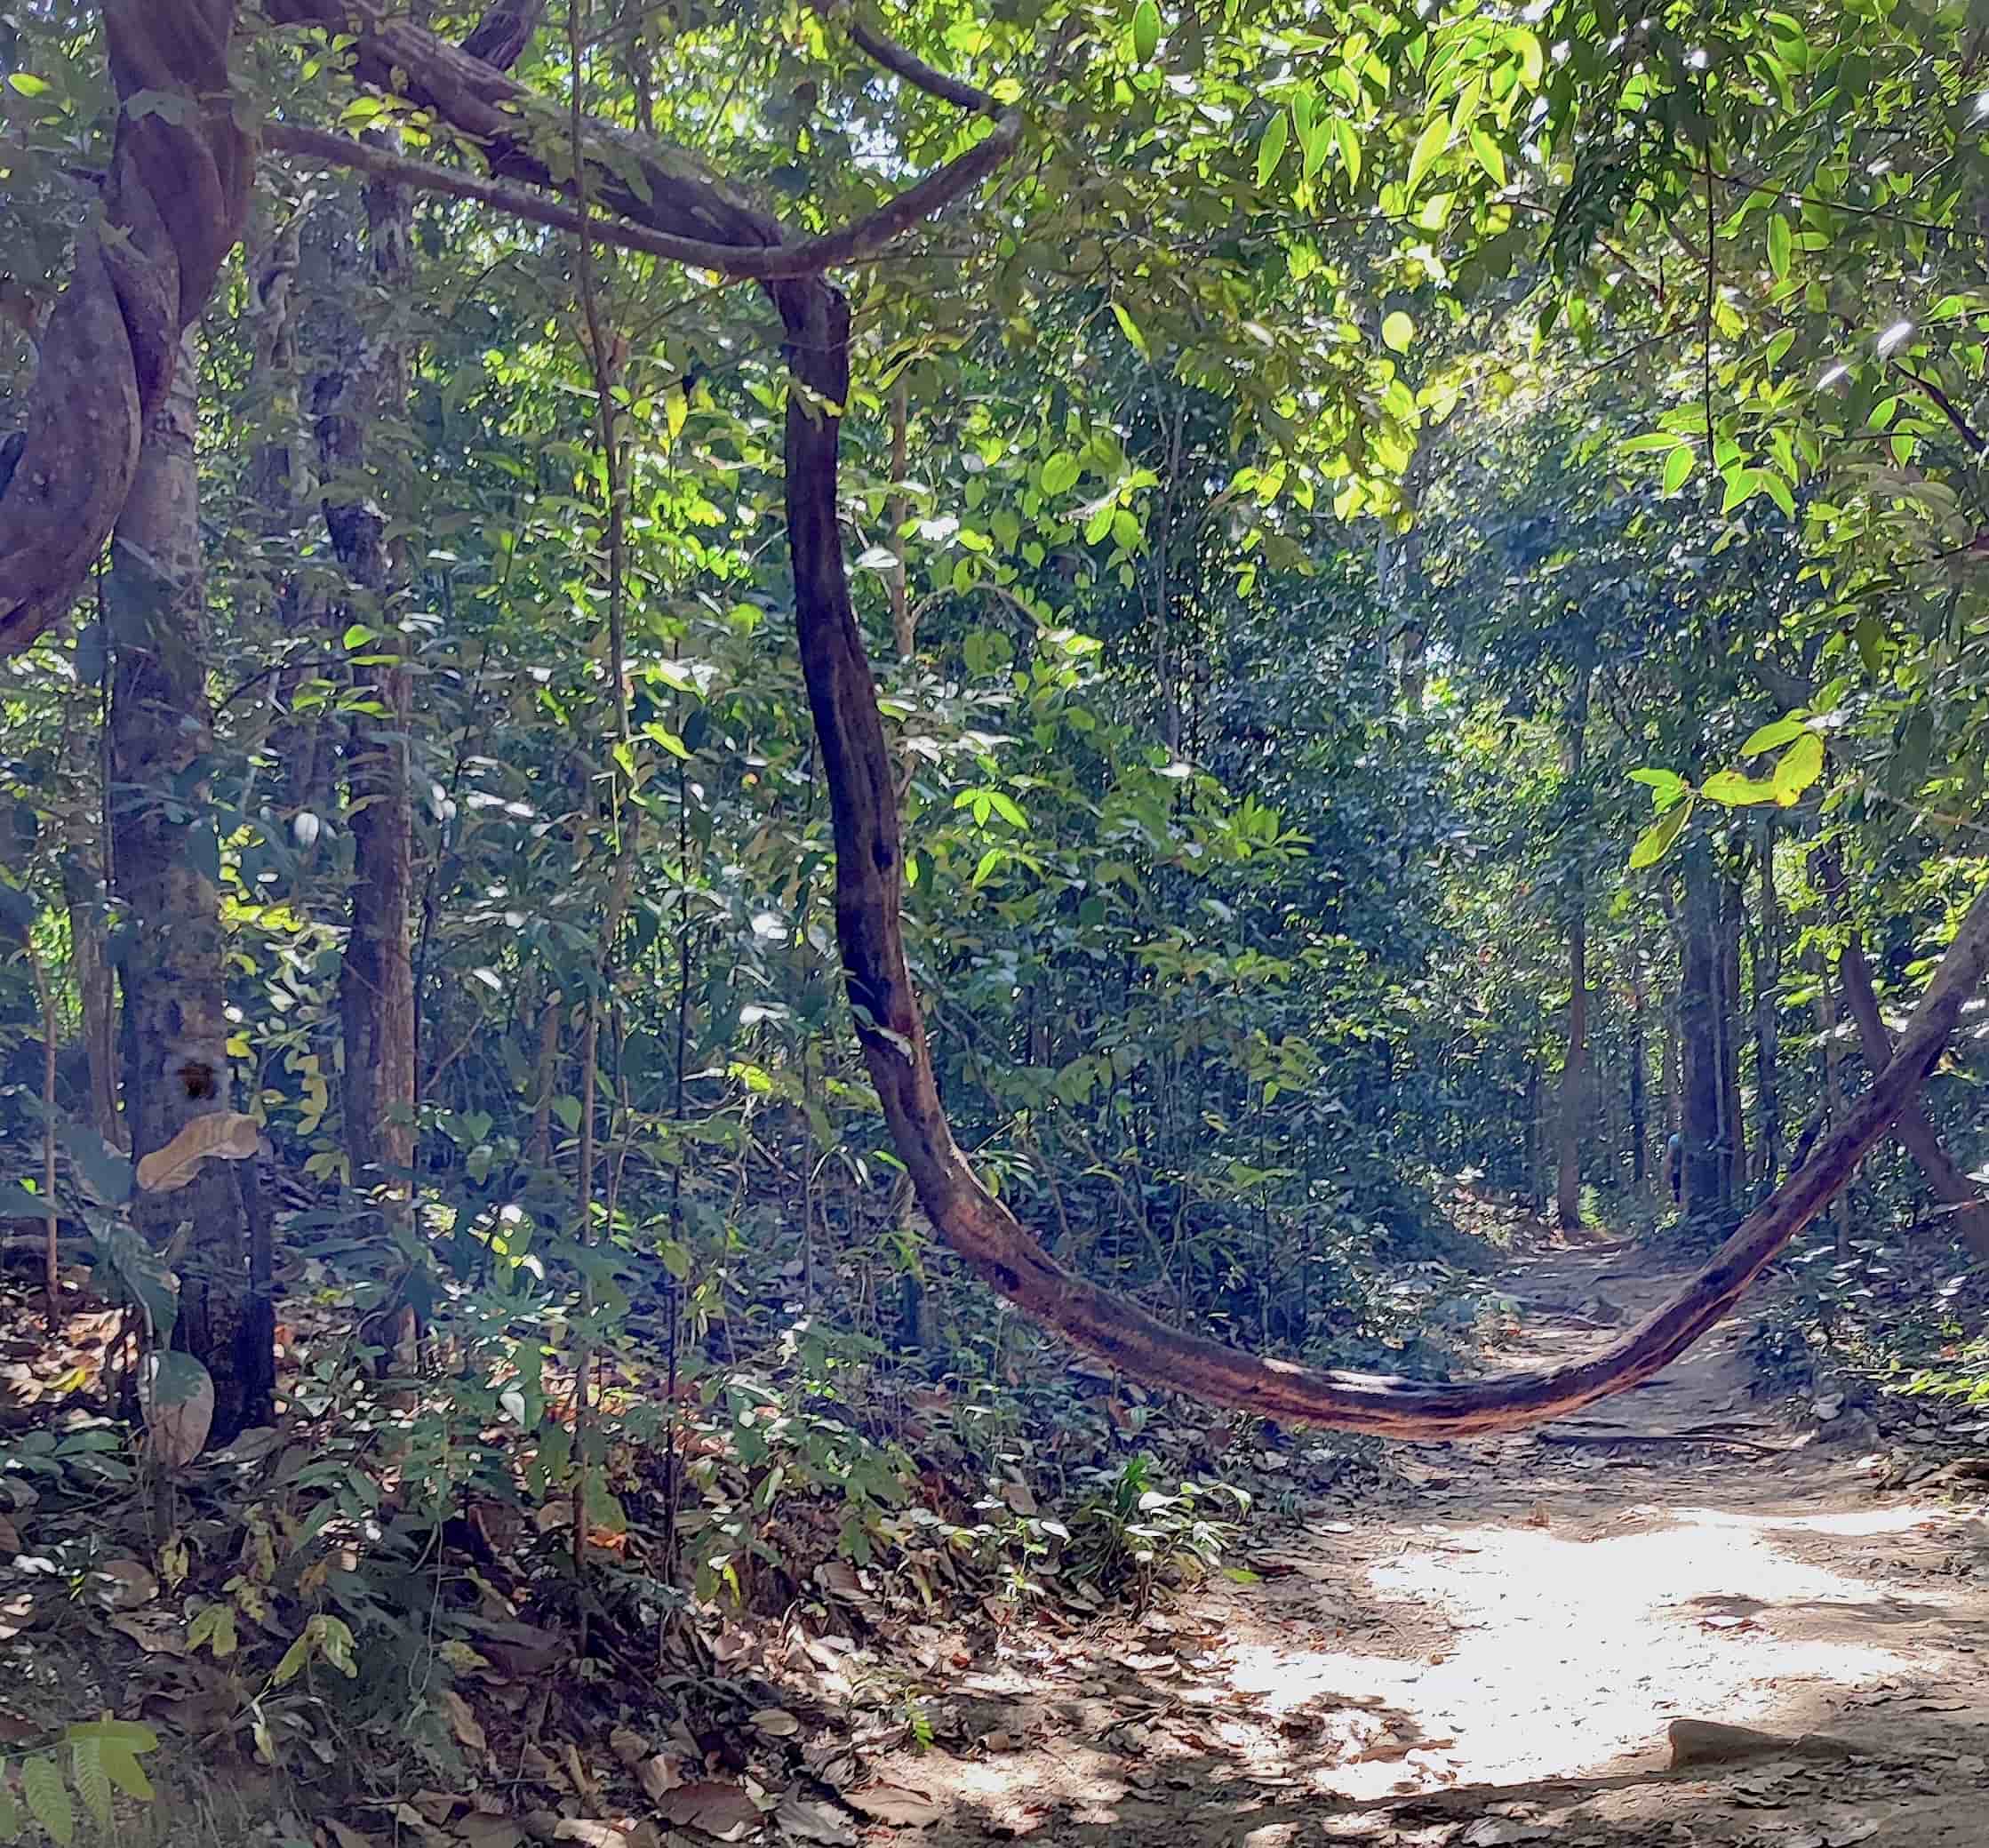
x=1568, y=1190
x=167, y=863
x=1834, y=1078
x=1732, y=1117
x=1698, y=1033
x=376, y=980
x=1950, y=1187
x=1768, y=982
x=1640, y=1127
x=171, y=207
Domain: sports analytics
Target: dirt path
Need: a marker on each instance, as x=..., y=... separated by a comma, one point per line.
x=1494, y=1652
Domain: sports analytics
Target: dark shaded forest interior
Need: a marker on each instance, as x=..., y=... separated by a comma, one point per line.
x=923, y=925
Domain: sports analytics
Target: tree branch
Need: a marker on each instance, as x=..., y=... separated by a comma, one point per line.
x=854, y=243
x=1962, y=428
x=894, y=58
x=501, y=36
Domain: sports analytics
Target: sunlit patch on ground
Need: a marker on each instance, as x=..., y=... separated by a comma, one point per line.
x=1567, y=1653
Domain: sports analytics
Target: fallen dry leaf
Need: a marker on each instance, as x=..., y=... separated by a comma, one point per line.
x=346, y=1838
x=490, y=1832
x=720, y=1810
x=894, y=1805
x=225, y=1134
x=810, y=1820
x=463, y=1722
x=658, y=1776
x=776, y=1722
x=124, y=1584
x=161, y=1636
x=591, y=1834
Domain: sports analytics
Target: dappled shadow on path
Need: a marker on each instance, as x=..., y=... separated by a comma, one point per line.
x=1509, y=1643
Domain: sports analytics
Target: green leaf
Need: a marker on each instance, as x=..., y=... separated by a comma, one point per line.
x=1799, y=766
x=1490, y=154
x=1060, y=473
x=214, y=1625
x=1397, y=330
x=1665, y=785
x=1131, y=328
x=48, y=1798
x=1429, y=146
x=1869, y=635
x=1778, y=490
x=1734, y=790
x=92, y=1782
x=1773, y=735
x=26, y=84
x=1349, y=141
x=127, y=1773
x=1743, y=483
x=105, y=1171
x=1655, y=841
x=1146, y=30
x=1678, y=465
x=1780, y=243
x=1270, y=150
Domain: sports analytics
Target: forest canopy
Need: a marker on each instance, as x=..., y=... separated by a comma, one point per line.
x=665, y=660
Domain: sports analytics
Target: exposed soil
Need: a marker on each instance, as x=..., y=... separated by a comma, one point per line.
x=1494, y=1652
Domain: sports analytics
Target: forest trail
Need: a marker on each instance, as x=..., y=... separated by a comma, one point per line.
x=1492, y=1652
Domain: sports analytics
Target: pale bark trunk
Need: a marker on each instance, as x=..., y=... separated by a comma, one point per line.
x=175, y=997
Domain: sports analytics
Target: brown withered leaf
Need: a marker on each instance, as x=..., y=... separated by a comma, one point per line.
x=224, y=1135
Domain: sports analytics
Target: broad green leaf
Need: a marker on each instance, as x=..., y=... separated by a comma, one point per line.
x=92, y=1782
x=1146, y=30
x=48, y=1798
x=1397, y=330
x=1734, y=790
x=1655, y=841
x=1429, y=148
x=1778, y=490
x=1665, y=785
x=1678, y=465
x=1270, y=149
x=1349, y=141
x=1060, y=473
x=1743, y=483
x=127, y=1773
x=1646, y=442
x=1489, y=154
x=1869, y=635
x=1799, y=766
x=1780, y=242
x=26, y=84
x=1774, y=734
